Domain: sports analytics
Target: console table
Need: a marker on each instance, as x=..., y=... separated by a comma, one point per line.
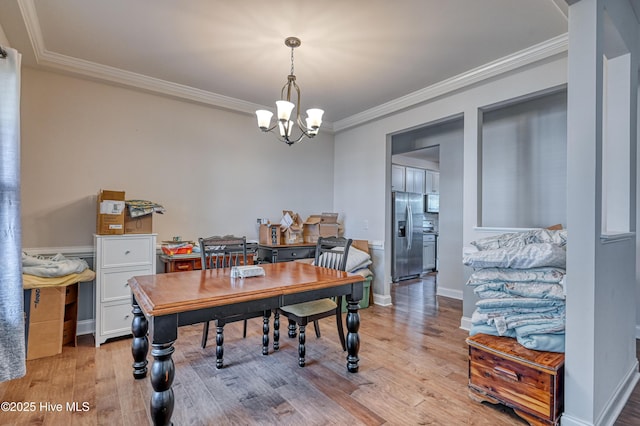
x=274, y=253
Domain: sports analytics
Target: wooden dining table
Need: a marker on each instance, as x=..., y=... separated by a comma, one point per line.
x=163, y=302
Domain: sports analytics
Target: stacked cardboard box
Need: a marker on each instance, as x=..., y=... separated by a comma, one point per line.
x=110, y=213
x=323, y=225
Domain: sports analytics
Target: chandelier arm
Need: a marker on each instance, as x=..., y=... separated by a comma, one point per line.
x=298, y=104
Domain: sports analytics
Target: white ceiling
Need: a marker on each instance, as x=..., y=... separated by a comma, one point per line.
x=355, y=55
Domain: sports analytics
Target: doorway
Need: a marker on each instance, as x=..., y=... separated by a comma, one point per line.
x=438, y=149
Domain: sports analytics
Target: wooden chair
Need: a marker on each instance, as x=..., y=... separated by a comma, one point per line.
x=223, y=252
x=331, y=253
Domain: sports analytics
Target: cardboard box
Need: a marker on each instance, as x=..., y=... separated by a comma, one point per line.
x=269, y=234
x=311, y=229
x=138, y=225
x=291, y=226
x=46, y=320
x=110, y=213
x=324, y=225
x=291, y=236
x=329, y=229
x=329, y=218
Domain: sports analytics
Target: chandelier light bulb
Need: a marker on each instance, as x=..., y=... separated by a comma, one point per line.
x=284, y=110
x=264, y=119
x=314, y=118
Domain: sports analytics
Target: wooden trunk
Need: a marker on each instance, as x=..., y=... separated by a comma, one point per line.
x=501, y=371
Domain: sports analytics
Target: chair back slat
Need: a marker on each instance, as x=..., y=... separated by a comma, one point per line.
x=332, y=252
x=222, y=252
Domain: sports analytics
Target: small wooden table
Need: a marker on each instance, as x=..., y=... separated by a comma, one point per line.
x=188, y=262
x=164, y=302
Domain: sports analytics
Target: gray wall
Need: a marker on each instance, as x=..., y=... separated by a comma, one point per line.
x=524, y=163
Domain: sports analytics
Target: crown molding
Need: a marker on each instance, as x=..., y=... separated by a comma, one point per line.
x=69, y=64
x=549, y=48
x=46, y=58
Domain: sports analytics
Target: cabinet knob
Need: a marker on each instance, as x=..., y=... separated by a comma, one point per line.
x=127, y=252
x=126, y=284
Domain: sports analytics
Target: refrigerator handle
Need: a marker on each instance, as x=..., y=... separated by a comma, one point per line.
x=409, y=225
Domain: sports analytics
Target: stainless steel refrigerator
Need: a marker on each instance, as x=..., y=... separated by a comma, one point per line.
x=406, y=250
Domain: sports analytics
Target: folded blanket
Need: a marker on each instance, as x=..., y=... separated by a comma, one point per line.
x=538, y=342
x=55, y=266
x=490, y=330
x=544, y=275
x=543, y=342
x=31, y=281
x=525, y=304
x=530, y=256
x=500, y=290
x=520, y=239
x=139, y=208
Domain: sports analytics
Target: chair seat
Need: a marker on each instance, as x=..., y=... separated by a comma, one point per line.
x=308, y=309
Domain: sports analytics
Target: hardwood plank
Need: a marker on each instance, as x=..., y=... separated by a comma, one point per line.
x=413, y=370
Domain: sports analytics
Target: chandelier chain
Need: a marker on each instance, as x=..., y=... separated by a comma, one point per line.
x=292, y=61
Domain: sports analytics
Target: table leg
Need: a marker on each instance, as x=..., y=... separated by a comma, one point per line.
x=140, y=343
x=219, y=343
x=301, y=345
x=276, y=330
x=353, y=339
x=265, y=332
x=162, y=373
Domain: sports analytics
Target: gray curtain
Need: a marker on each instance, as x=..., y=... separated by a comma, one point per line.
x=12, y=342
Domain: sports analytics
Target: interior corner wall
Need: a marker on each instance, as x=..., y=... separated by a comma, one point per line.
x=363, y=161
x=3, y=38
x=212, y=169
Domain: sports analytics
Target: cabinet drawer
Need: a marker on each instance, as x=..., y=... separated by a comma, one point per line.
x=183, y=265
x=114, y=285
x=524, y=388
x=286, y=254
x=116, y=318
x=126, y=251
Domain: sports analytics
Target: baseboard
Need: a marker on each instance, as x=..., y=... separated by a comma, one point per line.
x=465, y=323
x=614, y=406
x=382, y=300
x=450, y=293
x=619, y=398
x=86, y=327
x=567, y=420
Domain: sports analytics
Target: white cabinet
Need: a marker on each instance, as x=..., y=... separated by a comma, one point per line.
x=397, y=178
x=429, y=252
x=414, y=180
x=118, y=258
x=432, y=182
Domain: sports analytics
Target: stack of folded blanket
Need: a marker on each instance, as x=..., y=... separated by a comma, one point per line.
x=519, y=278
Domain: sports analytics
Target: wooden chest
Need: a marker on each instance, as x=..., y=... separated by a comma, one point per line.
x=501, y=371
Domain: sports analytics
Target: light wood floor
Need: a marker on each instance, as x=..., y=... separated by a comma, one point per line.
x=413, y=371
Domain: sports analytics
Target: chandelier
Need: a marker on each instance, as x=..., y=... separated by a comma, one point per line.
x=285, y=107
